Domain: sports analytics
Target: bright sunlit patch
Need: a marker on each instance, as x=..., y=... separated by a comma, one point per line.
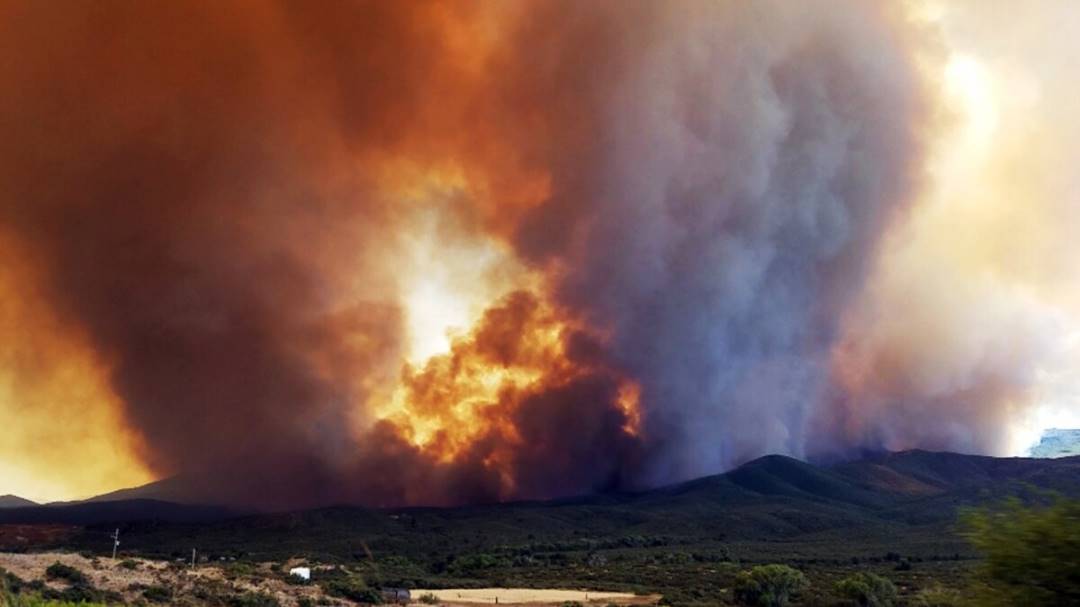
x=433, y=312
x=447, y=280
x=969, y=87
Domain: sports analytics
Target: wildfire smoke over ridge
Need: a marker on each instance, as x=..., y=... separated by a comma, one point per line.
x=436, y=253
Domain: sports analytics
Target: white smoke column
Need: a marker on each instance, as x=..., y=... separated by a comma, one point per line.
x=747, y=162
x=967, y=337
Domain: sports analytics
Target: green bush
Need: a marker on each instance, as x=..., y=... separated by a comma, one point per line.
x=429, y=599
x=353, y=589
x=157, y=594
x=867, y=590
x=1031, y=553
x=253, y=599
x=768, y=585
x=129, y=564
x=238, y=569
x=60, y=571
x=469, y=564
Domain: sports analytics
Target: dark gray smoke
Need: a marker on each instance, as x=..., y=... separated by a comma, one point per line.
x=743, y=163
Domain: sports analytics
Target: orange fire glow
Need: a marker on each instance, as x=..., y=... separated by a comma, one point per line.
x=472, y=393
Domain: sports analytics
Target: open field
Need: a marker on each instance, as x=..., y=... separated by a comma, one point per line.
x=546, y=596
x=133, y=580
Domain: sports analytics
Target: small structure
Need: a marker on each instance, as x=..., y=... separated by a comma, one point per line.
x=396, y=595
x=303, y=573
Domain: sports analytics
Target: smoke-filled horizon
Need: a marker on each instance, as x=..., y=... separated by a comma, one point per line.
x=431, y=253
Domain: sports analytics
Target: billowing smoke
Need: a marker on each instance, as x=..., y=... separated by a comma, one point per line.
x=667, y=211
x=739, y=175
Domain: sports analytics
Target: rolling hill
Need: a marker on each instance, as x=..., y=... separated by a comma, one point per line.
x=14, y=501
x=888, y=502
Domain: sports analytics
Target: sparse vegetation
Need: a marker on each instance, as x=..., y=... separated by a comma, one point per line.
x=67, y=573
x=865, y=589
x=428, y=599
x=768, y=585
x=253, y=599
x=354, y=589
x=157, y=594
x=697, y=546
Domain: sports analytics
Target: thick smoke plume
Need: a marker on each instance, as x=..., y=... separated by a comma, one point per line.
x=684, y=201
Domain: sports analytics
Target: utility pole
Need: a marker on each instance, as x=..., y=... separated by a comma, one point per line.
x=116, y=542
x=192, y=558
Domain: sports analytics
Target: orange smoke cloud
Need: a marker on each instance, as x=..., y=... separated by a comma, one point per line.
x=55, y=402
x=431, y=253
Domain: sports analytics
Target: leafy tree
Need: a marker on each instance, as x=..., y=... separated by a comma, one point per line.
x=867, y=590
x=768, y=585
x=1032, y=553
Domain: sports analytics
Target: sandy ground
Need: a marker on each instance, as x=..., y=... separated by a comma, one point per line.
x=519, y=596
x=107, y=574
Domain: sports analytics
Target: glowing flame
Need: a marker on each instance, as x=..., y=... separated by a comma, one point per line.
x=519, y=348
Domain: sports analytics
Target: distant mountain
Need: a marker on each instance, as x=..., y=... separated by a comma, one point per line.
x=92, y=513
x=1057, y=443
x=173, y=489
x=14, y=501
x=889, y=502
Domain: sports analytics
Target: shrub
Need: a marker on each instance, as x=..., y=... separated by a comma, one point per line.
x=157, y=594
x=429, y=599
x=60, y=571
x=129, y=564
x=353, y=589
x=768, y=585
x=253, y=599
x=867, y=590
x=237, y=569
x=469, y=564
x=9, y=582
x=1030, y=552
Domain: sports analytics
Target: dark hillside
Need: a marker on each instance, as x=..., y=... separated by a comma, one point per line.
x=773, y=507
x=14, y=501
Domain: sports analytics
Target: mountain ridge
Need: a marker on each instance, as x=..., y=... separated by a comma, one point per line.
x=870, y=485
x=14, y=501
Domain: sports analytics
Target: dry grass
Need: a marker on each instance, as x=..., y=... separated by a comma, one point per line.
x=533, y=596
x=107, y=574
